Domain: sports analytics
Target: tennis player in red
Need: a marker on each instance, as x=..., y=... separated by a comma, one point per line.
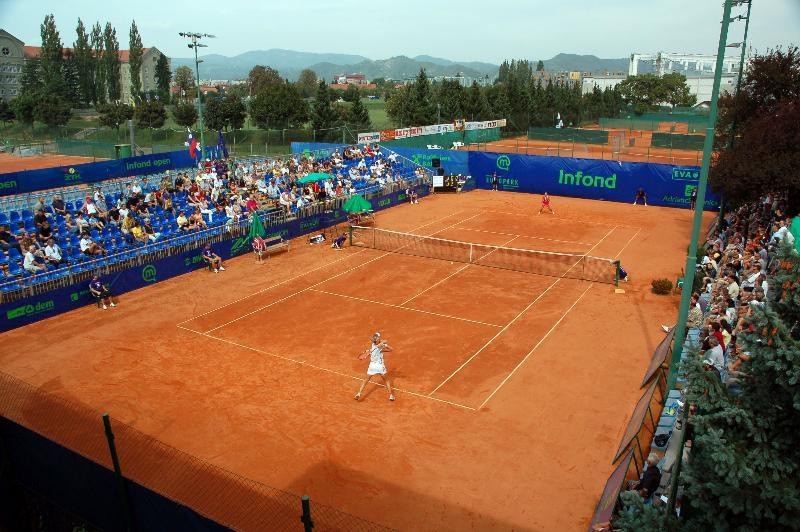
x=546, y=204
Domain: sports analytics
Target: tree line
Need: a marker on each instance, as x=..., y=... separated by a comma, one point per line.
x=60, y=79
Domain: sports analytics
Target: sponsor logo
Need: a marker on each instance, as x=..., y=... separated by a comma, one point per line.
x=385, y=202
x=579, y=180
x=151, y=163
x=30, y=310
x=503, y=162
x=686, y=200
x=402, y=196
x=283, y=233
x=239, y=244
x=72, y=175
x=8, y=184
x=504, y=182
x=75, y=296
x=310, y=224
x=149, y=273
x=194, y=259
x=685, y=174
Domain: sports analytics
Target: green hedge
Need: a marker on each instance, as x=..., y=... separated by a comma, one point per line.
x=566, y=134
x=677, y=141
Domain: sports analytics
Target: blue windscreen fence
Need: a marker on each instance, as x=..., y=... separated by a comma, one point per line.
x=666, y=185
x=64, y=176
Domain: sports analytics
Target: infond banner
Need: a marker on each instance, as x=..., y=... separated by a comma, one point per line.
x=18, y=313
x=79, y=174
x=665, y=185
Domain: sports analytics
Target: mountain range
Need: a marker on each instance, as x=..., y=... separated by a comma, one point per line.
x=289, y=63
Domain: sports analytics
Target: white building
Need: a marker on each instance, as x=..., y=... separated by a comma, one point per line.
x=699, y=84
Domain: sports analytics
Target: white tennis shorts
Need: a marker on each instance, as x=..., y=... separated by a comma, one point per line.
x=376, y=369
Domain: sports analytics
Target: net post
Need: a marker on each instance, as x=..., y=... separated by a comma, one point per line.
x=470, y=253
x=616, y=273
x=351, y=235
x=123, y=495
x=308, y=524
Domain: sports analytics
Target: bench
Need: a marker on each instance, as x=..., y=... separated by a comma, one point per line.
x=272, y=244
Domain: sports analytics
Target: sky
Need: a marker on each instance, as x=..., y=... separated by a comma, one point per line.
x=466, y=30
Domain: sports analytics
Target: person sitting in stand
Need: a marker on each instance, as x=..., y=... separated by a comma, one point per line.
x=53, y=255
x=101, y=293
x=184, y=224
x=59, y=207
x=31, y=261
x=44, y=232
x=90, y=247
x=212, y=259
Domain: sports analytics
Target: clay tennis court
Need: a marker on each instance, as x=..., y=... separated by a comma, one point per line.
x=641, y=151
x=513, y=388
x=15, y=163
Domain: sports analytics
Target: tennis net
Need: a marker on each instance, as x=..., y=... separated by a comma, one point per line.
x=570, y=265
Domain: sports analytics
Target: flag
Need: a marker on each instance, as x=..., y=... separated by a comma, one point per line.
x=192, y=144
x=223, y=151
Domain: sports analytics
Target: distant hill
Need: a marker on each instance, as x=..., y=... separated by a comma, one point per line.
x=289, y=63
x=585, y=63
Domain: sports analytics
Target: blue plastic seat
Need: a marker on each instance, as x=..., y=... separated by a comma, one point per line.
x=14, y=217
x=27, y=215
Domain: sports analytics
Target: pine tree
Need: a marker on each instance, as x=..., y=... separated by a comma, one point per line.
x=98, y=69
x=163, y=76
x=82, y=53
x=114, y=114
x=184, y=114
x=323, y=117
x=358, y=116
x=234, y=111
x=422, y=107
x=498, y=101
x=31, y=81
x=150, y=114
x=72, y=82
x=135, y=60
x=540, y=66
x=52, y=109
x=51, y=57
x=111, y=63
x=476, y=107
x=6, y=113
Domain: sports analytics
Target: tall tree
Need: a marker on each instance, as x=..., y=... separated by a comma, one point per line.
x=278, y=106
x=307, y=82
x=111, y=63
x=73, y=91
x=476, y=107
x=150, y=113
x=422, y=106
x=84, y=64
x=31, y=81
x=6, y=112
x=498, y=101
x=260, y=76
x=214, y=113
x=540, y=66
x=135, y=59
x=184, y=80
x=451, y=99
x=114, y=114
x=765, y=157
x=163, y=77
x=52, y=109
x=351, y=94
x=398, y=106
x=24, y=107
x=358, y=115
x=52, y=57
x=234, y=111
x=96, y=40
x=323, y=117
x=184, y=114
x=677, y=91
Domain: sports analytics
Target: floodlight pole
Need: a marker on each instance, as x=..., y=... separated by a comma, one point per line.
x=194, y=37
x=691, y=258
x=734, y=123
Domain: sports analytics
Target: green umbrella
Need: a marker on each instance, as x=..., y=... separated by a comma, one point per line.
x=317, y=176
x=257, y=228
x=357, y=204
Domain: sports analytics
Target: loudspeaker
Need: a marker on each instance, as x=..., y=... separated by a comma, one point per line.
x=440, y=171
x=436, y=163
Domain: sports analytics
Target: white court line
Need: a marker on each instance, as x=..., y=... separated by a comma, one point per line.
x=523, y=236
x=334, y=372
x=405, y=308
x=462, y=366
x=440, y=281
x=535, y=347
x=301, y=275
x=321, y=282
x=626, y=244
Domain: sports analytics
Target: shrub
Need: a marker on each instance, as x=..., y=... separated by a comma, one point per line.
x=662, y=286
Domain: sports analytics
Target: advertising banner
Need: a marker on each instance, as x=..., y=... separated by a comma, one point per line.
x=86, y=173
x=369, y=138
x=402, y=133
x=665, y=185
x=387, y=134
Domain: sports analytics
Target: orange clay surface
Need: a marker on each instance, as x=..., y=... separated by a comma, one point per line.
x=641, y=151
x=15, y=163
x=513, y=389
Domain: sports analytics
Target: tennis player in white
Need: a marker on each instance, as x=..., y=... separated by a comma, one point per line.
x=376, y=366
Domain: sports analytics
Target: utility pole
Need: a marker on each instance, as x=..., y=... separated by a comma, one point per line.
x=194, y=37
x=691, y=258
